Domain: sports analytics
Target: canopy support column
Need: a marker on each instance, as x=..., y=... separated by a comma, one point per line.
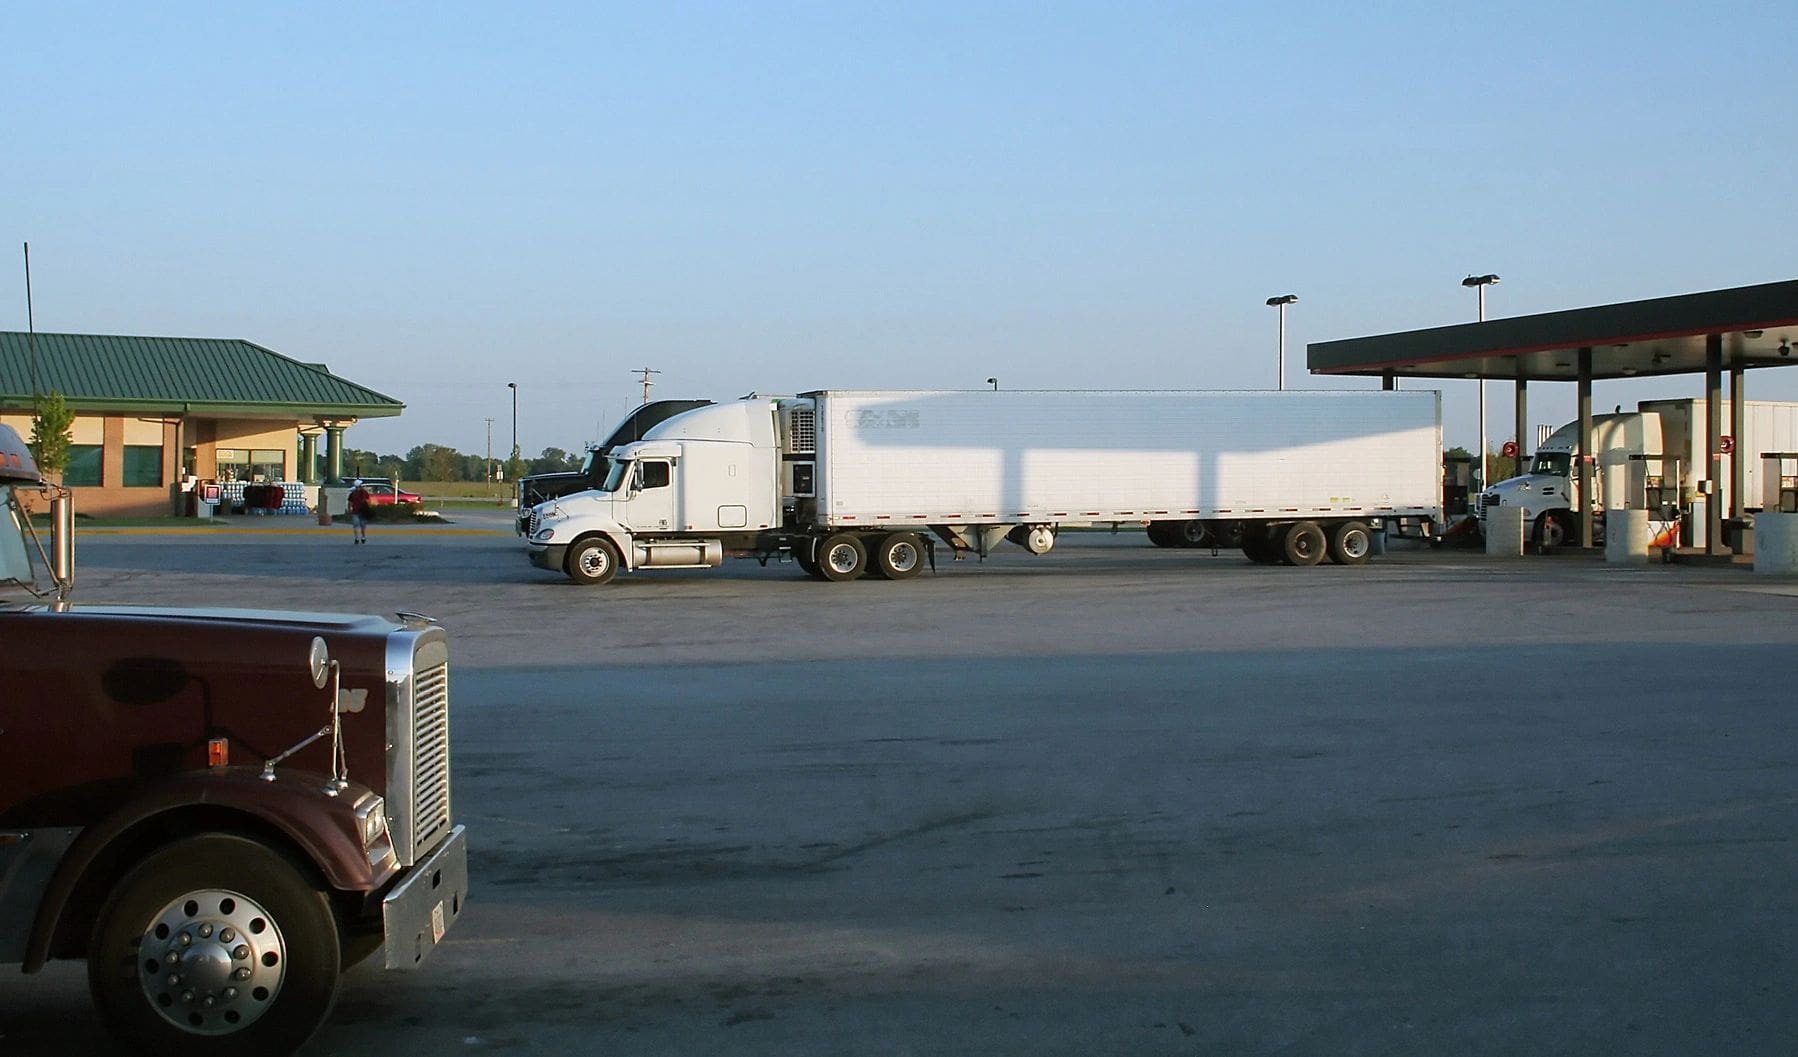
x=1713, y=435
x=1585, y=447
x=1522, y=418
x=1738, y=459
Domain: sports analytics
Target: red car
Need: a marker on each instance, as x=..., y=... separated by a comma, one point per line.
x=381, y=493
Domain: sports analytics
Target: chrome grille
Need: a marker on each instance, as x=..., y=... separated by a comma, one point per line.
x=536, y=518
x=430, y=757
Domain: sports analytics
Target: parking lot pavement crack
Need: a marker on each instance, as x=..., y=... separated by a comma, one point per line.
x=932, y=826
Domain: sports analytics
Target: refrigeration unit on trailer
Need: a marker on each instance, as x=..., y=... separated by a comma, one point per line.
x=847, y=482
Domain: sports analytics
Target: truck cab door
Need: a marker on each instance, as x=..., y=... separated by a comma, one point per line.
x=653, y=497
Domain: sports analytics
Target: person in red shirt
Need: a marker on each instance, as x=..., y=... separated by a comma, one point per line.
x=359, y=504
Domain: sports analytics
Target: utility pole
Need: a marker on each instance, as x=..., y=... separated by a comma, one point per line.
x=1280, y=303
x=490, y=452
x=646, y=372
x=1479, y=284
x=30, y=332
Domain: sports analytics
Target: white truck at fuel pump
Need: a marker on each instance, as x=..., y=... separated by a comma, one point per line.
x=850, y=482
x=1665, y=429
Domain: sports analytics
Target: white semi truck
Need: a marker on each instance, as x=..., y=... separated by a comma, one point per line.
x=852, y=482
x=1656, y=432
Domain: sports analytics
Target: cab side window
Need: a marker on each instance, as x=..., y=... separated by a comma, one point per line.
x=652, y=474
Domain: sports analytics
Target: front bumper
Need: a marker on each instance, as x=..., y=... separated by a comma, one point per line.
x=422, y=907
x=550, y=556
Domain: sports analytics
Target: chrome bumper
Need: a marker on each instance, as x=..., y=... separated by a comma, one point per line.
x=421, y=908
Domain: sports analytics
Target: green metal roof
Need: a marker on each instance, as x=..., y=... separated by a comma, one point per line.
x=99, y=372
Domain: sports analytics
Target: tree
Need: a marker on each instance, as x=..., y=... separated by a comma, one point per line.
x=433, y=462
x=554, y=460
x=515, y=466
x=50, y=433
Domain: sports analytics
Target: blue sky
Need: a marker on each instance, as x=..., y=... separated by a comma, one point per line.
x=436, y=199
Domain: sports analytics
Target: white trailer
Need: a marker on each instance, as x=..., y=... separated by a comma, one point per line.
x=848, y=481
x=1666, y=438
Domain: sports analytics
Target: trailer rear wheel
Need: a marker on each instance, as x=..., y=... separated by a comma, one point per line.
x=899, y=556
x=593, y=561
x=1350, y=543
x=1162, y=534
x=1193, y=534
x=842, y=557
x=1303, y=544
x=802, y=553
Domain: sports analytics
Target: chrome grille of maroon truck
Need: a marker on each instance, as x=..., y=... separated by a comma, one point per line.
x=430, y=749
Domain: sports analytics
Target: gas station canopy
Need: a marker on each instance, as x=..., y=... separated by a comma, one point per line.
x=1758, y=327
x=1705, y=333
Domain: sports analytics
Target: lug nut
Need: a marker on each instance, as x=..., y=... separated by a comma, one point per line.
x=174, y=979
x=241, y=952
x=241, y=974
x=230, y=993
x=186, y=940
x=174, y=956
x=227, y=936
x=188, y=997
x=209, y=1002
x=205, y=932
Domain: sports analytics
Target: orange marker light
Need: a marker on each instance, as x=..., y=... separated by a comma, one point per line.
x=218, y=752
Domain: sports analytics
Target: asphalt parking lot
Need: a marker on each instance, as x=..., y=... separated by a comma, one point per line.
x=1115, y=800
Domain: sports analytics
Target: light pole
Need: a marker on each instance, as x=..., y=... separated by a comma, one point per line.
x=1280, y=303
x=1479, y=284
x=512, y=463
x=994, y=382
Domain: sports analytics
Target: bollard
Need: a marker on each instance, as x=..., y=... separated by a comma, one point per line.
x=1626, y=536
x=1504, y=532
x=1776, y=543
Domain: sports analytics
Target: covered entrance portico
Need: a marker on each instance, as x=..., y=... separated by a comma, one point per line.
x=1708, y=333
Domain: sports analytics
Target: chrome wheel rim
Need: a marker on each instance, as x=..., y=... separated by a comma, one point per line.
x=841, y=558
x=902, y=558
x=211, y=962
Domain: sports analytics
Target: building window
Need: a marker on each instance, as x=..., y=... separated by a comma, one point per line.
x=143, y=466
x=83, y=468
x=268, y=465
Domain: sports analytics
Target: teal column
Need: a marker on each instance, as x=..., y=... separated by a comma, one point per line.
x=308, y=458
x=333, y=455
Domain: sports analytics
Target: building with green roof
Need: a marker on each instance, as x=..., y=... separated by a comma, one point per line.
x=154, y=412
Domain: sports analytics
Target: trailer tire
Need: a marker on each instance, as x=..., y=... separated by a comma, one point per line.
x=226, y=883
x=1161, y=534
x=1351, y=543
x=1303, y=544
x=1226, y=534
x=899, y=556
x=807, y=559
x=1193, y=533
x=593, y=561
x=842, y=557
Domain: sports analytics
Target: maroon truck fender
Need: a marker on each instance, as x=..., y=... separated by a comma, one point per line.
x=321, y=828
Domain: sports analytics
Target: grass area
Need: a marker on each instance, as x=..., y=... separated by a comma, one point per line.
x=436, y=503
x=82, y=521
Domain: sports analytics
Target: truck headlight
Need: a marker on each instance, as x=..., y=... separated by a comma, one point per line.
x=543, y=535
x=371, y=826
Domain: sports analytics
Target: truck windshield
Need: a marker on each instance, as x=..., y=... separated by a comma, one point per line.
x=1557, y=463
x=15, y=558
x=620, y=472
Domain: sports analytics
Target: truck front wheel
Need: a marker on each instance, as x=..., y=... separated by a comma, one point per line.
x=593, y=561
x=215, y=945
x=842, y=557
